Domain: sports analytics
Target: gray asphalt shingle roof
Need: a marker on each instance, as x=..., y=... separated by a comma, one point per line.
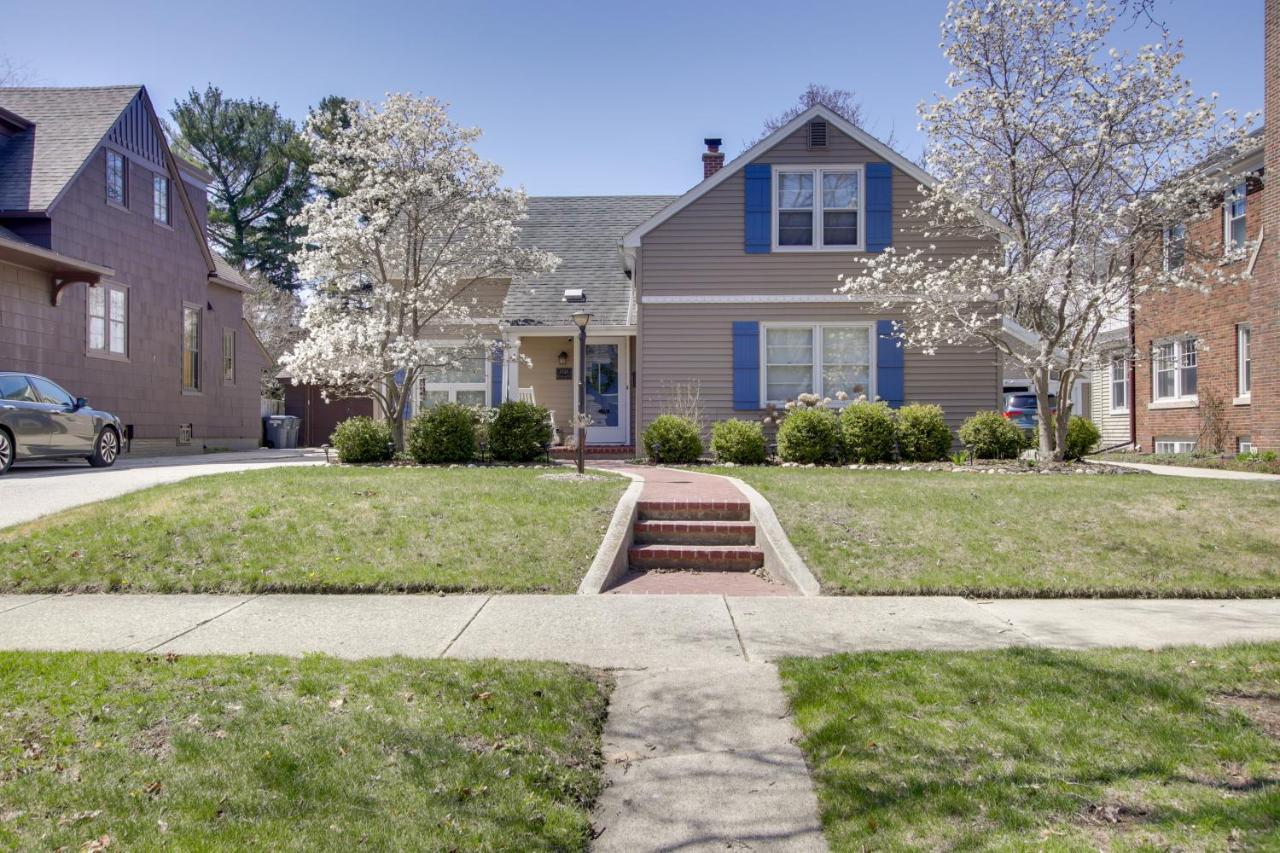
x=584, y=232
x=36, y=164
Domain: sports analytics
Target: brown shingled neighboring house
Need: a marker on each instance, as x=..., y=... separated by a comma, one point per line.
x=107, y=282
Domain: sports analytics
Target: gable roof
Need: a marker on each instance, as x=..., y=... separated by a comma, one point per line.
x=584, y=232
x=633, y=237
x=68, y=125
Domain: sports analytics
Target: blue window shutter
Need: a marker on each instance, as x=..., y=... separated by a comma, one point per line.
x=746, y=365
x=758, y=197
x=398, y=378
x=890, y=365
x=879, y=206
x=495, y=377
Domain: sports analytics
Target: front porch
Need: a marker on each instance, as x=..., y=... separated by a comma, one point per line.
x=542, y=367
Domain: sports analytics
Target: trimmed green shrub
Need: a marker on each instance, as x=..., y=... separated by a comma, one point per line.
x=1082, y=436
x=520, y=432
x=809, y=436
x=739, y=442
x=990, y=435
x=867, y=432
x=923, y=435
x=673, y=440
x=362, y=439
x=443, y=434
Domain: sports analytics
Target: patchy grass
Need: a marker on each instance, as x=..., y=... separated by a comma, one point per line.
x=914, y=532
x=276, y=754
x=1261, y=463
x=1035, y=749
x=322, y=530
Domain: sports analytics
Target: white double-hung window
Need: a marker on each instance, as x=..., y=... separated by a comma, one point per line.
x=1174, y=369
x=1244, y=362
x=458, y=376
x=1119, y=384
x=818, y=208
x=1233, y=220
x=826, y=360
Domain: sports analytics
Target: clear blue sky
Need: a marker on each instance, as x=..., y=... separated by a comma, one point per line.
x=574, y=98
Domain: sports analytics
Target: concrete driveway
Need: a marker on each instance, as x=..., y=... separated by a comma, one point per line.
x=33, y=489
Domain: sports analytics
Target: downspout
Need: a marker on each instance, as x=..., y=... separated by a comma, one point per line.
x=1133, y=367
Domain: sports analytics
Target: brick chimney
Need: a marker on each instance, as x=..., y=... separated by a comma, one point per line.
x=1264, y=288
x=713, y=157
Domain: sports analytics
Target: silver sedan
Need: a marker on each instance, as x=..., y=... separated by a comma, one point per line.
x=39, y=420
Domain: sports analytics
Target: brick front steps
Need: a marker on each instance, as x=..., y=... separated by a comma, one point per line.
x=696, y=535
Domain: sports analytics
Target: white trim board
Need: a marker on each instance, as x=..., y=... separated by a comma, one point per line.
x=633, y=237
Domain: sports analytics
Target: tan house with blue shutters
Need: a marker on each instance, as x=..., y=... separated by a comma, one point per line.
x=727, y=291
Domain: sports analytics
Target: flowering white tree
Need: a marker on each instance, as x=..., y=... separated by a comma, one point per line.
x=408, y=223
x=1067, y=159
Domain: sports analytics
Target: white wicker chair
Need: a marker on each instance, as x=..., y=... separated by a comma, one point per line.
x=526, y=396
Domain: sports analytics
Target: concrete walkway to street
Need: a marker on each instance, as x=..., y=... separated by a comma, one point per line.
x=33, y=489
x=1202, y=473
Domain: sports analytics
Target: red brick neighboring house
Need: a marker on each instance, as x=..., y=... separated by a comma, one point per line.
x=1196, y=350
x=107, y=282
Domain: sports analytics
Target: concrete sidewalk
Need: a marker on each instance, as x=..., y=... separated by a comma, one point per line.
x=33, y=489
x=1200, y=473
x=656, y=631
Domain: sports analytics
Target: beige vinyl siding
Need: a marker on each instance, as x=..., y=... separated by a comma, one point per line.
x=549, y=392
x=693, y=345
x=699, y=253
x=700, y=249
x=1114, y=427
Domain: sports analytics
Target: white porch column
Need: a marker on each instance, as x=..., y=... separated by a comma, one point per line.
x=512, y=366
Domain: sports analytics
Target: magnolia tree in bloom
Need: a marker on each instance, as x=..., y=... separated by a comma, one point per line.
x=1066, y=159
x=408, y=222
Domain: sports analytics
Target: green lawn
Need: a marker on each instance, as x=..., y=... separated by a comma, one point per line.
x=1032, y=749
x=321, y=529
x=271, y=753
x=1028, y=534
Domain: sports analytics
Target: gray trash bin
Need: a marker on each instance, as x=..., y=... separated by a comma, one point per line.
x=277, y=430
x=295, y=426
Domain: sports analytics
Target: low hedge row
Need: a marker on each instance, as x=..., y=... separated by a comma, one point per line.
x=863, y=432
x=451, y=433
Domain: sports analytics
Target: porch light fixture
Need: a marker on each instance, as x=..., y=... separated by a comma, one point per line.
x=563, y=359
x=581, y=319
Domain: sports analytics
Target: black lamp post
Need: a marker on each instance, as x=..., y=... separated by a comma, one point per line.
x=581, y=319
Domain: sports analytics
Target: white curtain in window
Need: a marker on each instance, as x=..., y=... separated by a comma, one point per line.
x=846, y=360
x=789, y=363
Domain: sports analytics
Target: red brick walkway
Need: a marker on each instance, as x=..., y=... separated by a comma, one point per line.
x=673, y=492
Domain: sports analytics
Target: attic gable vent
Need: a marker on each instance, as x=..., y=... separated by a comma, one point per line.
x=817, y=133
x=575, y=294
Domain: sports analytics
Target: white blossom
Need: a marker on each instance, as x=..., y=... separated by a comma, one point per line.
x=1066, y=159
x=409, y=222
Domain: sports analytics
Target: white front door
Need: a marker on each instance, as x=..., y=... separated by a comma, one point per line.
x=608, y=390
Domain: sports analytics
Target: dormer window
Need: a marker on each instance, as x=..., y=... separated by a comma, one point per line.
x=117, y=179
x=818, y=209
x=160, y=198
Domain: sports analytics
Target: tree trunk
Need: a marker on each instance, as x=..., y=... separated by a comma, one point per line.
x=1050, y=446
x=397, y=429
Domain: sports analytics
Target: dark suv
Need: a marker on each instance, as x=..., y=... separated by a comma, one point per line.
x=1023, y=409
x=39, y=420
